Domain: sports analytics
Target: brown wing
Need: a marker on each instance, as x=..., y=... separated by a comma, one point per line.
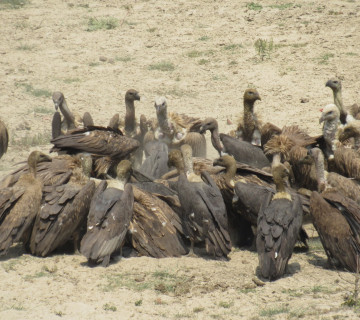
x=96, y=140
x=108, y=223
x=4, y=138
x=244, y=152
x=347, y=162
x=334, y=232
x=185, y=121
x=268, y=130
x=65, y=208
x=153, y=227
x=20, y=217
x=278, y=230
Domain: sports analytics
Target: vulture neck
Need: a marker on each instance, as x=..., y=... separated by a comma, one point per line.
x=188, y=168
x=249, y=119
x=281, y=192
x=320, y=171
x=69, y=117
x=163, y=120
x=276, y=160
x=129, y=116
x=338, y=100
x=357, y=142
x=230, y=173
x=329, y=132
x=215, y=140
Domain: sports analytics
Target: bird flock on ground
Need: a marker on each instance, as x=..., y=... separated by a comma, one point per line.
x=147, y=186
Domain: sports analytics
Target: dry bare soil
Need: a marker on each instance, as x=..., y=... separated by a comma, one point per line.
x=201, y=55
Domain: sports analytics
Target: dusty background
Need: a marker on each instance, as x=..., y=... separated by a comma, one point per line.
x=201, y=56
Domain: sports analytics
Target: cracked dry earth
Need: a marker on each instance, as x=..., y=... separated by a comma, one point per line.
x=201, y=56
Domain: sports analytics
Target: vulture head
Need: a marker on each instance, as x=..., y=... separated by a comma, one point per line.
x=225, y=161
x=124, y=170
x=175, y=159
x=329, y=113
x=58, y=99
x=36, y=157
x=251, y=95
x=351, y=130
x=160, y=105
x=208, y=124
x=132, y=95
x=334, y=84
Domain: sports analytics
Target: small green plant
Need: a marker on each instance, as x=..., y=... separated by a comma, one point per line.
x=24, y=47
x=13, y=4
x=204, y=38
x=123, y=59
x=103, y=23
x=273, y=311
x=225, y=304
x=71, y=80
x=109, y=307
x=198, y=309
x=233, y=46
x=254, y=6
x=151, y=30
x=43, y=110
x=264, y=48
x=194, y=54
x=203, y=61
x=138, y=303
x=283, y=6
x=162, y=66
x=233, y=63
x=94, y=64
x=324, y=59
x=31, y=141
x=59, y=313
x=352, y=54
x=35, y=92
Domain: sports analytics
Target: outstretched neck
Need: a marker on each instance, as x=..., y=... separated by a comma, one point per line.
x=320, y=171
x=129, y=116
x=215, y=140
x=69, y=117
x=329, y=132
x=249, y=121
x=338, y=100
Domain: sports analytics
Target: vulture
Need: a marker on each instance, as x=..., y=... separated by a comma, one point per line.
x=155, y=164
x=4, y=138
x=242, y=151
x=131, y=128
x=177, y=129
x=70, y=120
x=64, y=209
x=111, y=210
x=20, y=204
x=337, y=221
x=249, y=127
x=345, y=117
x=204, y=211
x=107, y=146
x=155, y=229
x=351, y=130
x=279, y=223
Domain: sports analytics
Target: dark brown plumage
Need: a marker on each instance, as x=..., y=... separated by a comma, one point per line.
x=337, y=222
x=4, y=138
x=20, y=204
x=155, y=229
x=351, y=130
x=96, y=140
x=204, y=211
x=64, y=210
x=279, y=223
x=108, y=222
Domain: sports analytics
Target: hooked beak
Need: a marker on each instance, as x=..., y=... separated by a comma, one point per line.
x=322, y=118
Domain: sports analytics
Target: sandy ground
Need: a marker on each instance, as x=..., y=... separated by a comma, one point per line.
x=201, y=56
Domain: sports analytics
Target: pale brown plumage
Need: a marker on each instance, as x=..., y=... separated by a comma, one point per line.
x=249, y=127
x=20, y=204
x=177, y=129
